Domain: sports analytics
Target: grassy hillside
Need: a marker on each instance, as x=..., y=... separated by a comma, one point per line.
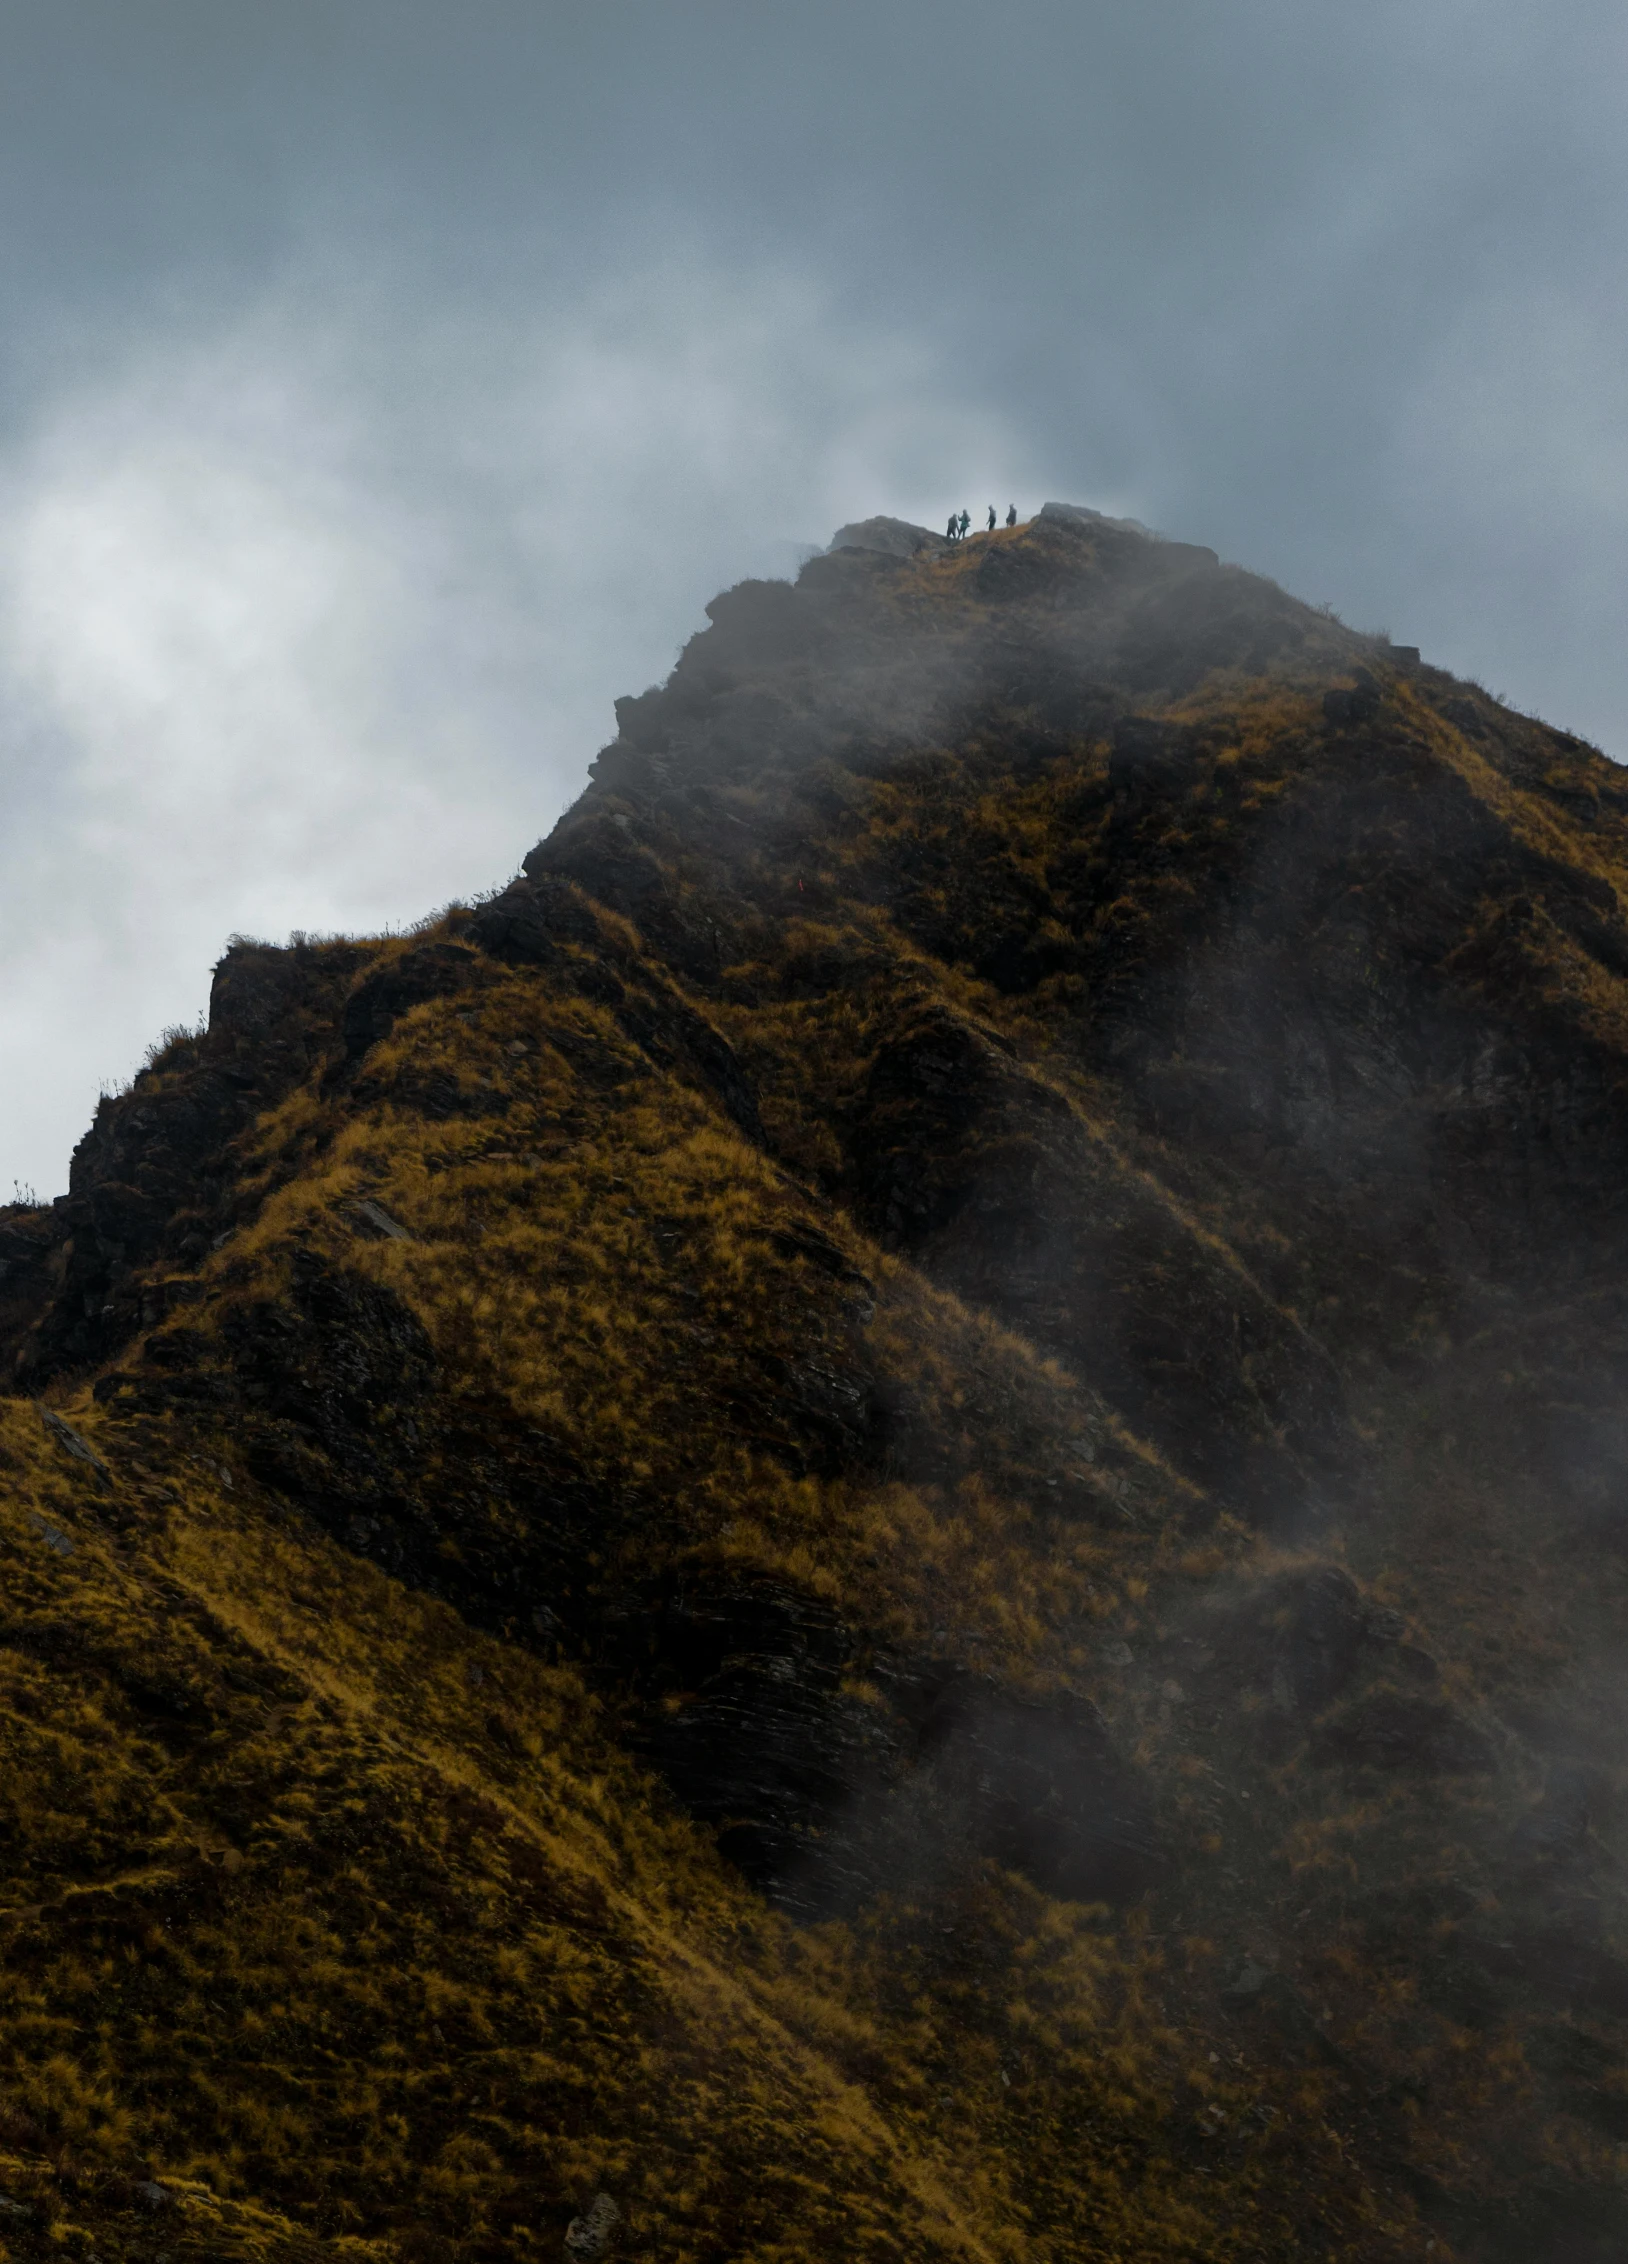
x=883, y=1517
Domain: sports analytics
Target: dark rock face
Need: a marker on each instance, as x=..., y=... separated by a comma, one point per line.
x=1147, y=758
x=1346, y=1020
x=985, y=1175
x=532, y=923
x=1039, y=1788
x=1393, y=1730
x=536, y=921
x=1297, y=1641
x=340, y=1413
x=336, y=1362
x=824, y=1796
x=746, y=1691
x=31, y=1261
x=817, y=1416
x=1359, y=704
x=438, y=970
x=1327, y=1628
x=151, y=1183
x=768, y=1749
x=1317, y=1010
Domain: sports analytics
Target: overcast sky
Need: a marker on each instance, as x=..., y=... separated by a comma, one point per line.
x=385, y=387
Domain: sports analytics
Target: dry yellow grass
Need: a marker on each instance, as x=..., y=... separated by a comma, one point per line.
x=357, y=1927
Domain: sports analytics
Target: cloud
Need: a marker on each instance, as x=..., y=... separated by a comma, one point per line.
x=1512, y=455
x=312, y=611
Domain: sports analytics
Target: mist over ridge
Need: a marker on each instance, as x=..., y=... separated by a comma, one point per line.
x=900, y=1481
x=379, y=399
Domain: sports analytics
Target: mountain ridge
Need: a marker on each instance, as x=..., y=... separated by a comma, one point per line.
x=987, y=1300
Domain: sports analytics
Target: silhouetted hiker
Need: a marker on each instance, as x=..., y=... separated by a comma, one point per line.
x=954, y=527
x=992, y=518
x=1011, y=515
x=965, y=522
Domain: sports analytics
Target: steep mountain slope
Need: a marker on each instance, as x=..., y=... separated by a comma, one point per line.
x=885, y=1516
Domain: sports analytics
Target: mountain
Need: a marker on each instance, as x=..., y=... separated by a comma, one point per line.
x=884, y=1519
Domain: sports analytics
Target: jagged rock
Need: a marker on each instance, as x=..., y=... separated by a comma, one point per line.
x=1081, y=515
x=821, y=1797
x=374, y=1219
x=590, y=2235
x=144, y=1181
x=31, y=1242
x=177, y=1348
x=335, y=1380
x=897, y=537
x=1416, y=1665
x=530, y=920
x=344, y=1351
x=1249, y=1980
x=74, y=1441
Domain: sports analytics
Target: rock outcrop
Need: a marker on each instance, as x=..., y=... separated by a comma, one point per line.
x=896, y=537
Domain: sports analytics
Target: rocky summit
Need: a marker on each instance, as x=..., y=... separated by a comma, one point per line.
x=882, y=1521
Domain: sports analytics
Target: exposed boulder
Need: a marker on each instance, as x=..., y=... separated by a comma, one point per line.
x=589, y=2236
x=73, y=1442
x=1081, y=515
x=897, y=537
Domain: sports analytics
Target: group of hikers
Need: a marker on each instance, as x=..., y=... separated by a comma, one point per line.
x=960, y=521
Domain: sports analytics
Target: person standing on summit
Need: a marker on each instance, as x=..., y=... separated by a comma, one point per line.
x=991, y=518
x=1011, y=515
x=952, y=531
x=964, y=522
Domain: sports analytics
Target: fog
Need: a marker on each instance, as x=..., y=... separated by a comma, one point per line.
x=314, y=618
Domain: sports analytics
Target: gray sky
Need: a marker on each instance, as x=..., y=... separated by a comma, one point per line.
x=384, y=387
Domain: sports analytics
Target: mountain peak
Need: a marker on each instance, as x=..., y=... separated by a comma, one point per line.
x=933, y=1422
